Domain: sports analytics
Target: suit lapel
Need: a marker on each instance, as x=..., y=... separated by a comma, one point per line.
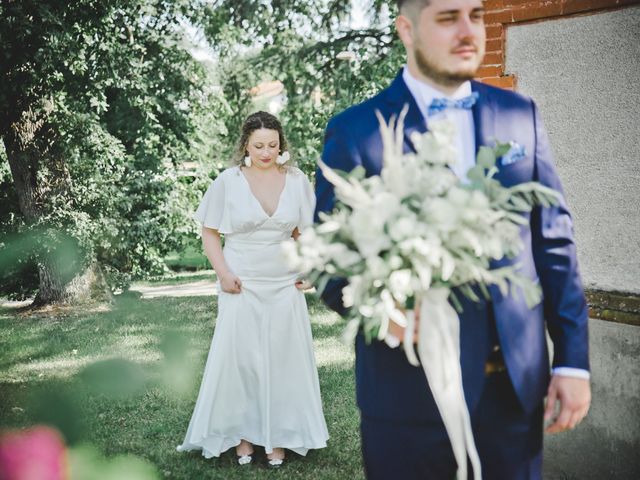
x=484, y=121
x=483, y=117
x=398, y=95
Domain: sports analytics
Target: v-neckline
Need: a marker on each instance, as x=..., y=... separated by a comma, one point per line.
x=286, y=178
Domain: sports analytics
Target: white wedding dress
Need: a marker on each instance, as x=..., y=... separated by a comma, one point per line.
x=260, y=381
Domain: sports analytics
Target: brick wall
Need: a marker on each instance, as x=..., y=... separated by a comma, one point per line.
x=503, y=13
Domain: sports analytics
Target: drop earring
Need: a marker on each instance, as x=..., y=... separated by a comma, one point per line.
x=247, y=161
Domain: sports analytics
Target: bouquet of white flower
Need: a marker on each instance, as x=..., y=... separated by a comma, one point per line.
x=413, y=234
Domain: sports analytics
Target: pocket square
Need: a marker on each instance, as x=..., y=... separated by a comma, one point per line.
x=515, y=154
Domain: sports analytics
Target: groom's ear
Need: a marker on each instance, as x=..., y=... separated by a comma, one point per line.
x=404, y=27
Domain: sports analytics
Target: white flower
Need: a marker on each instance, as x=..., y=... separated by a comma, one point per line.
x=395, y=262
x=400, y=284
x=448, y=266
x=368, y=232
x=377, y=268
x=441, y=213
x=458, y=197
x=403, y=227
x=290, y=253
x=390, y=309
x=352, y=293
x=425, y=273
x=437, y=146
x=342, y=256
x=283, y=158
x=385, y=205
x=330, y=226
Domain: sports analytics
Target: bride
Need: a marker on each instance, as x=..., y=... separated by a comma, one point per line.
x=260, y=383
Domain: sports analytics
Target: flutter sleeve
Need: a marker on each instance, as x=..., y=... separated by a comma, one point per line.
x=307, y=203
x=212, y=211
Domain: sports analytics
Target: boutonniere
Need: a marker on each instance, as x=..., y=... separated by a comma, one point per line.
x=515, y=153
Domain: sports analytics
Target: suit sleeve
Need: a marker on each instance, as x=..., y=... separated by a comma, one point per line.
x=338, y=154
x=554, y=252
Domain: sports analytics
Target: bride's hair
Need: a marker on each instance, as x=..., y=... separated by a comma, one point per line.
x=254, y=122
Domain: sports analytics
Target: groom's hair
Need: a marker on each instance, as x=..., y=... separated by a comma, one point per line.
x=415, y=4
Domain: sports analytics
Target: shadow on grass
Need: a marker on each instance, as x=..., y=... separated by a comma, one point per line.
x=41, y=358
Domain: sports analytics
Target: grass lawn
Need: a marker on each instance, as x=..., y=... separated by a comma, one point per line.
x=46, y=375
x=191, y=258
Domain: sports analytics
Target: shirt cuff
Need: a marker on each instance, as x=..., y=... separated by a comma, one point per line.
x=571, y=372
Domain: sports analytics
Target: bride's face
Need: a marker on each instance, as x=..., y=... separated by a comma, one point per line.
x=263, y=147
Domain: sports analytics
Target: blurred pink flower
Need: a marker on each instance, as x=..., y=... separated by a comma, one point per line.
x=37, y=453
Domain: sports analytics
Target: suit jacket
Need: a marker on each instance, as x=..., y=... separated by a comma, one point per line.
x=386, y=383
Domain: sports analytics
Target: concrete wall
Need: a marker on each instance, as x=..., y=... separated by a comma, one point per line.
x=606, y=445
x=584, y=73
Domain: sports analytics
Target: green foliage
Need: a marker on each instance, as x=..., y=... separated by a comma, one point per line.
x=123, y=106
x=19, y=252
x=86, y=463
x=298, y=43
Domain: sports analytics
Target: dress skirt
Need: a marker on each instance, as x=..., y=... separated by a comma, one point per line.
x=260, y=382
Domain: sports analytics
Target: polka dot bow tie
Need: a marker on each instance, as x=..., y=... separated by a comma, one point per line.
x=440, y=104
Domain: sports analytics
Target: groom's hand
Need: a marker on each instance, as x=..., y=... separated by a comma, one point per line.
x=574, y=395
x=398, y=331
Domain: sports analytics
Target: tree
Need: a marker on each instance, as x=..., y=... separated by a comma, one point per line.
x=99, y=104
x=299, y=43
x=102, y=103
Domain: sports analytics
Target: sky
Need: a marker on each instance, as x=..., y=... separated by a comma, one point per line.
x=202, y=52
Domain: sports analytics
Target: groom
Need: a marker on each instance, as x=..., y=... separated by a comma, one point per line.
x=504, y=358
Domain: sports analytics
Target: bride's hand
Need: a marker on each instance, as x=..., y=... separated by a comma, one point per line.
x=303, y=285
x=230, y=283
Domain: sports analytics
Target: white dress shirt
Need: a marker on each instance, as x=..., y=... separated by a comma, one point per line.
x=466, y=146
x=461, y=118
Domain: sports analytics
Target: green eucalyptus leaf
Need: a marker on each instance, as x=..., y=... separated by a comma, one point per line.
x=486, y=157
x=501, y=148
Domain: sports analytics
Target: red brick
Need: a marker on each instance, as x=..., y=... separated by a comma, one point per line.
x=494, y=58
x=494, y=31
x=489, y=71
x=502, y=16
x=623, y=3
x=494, y=45
x=536, y=12
x=508, y=81
x=493, y=4
x=510, y=3
x=576, y=6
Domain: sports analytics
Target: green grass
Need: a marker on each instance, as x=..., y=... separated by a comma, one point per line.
x=43, y=378
x=191, y=258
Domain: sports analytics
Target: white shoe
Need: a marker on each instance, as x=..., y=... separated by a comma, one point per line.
x=275, y=462
x=244, y=459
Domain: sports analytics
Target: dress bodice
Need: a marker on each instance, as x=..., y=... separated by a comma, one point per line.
x=230, y=207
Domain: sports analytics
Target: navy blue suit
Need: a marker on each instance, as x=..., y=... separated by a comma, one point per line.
x=393, y=397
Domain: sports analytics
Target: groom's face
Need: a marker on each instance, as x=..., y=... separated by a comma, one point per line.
x=446, y=38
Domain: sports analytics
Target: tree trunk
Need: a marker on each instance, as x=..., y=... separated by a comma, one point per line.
x=88, y=286
x=40, y=174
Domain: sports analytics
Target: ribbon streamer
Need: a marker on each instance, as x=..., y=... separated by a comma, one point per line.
x=439, y=352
